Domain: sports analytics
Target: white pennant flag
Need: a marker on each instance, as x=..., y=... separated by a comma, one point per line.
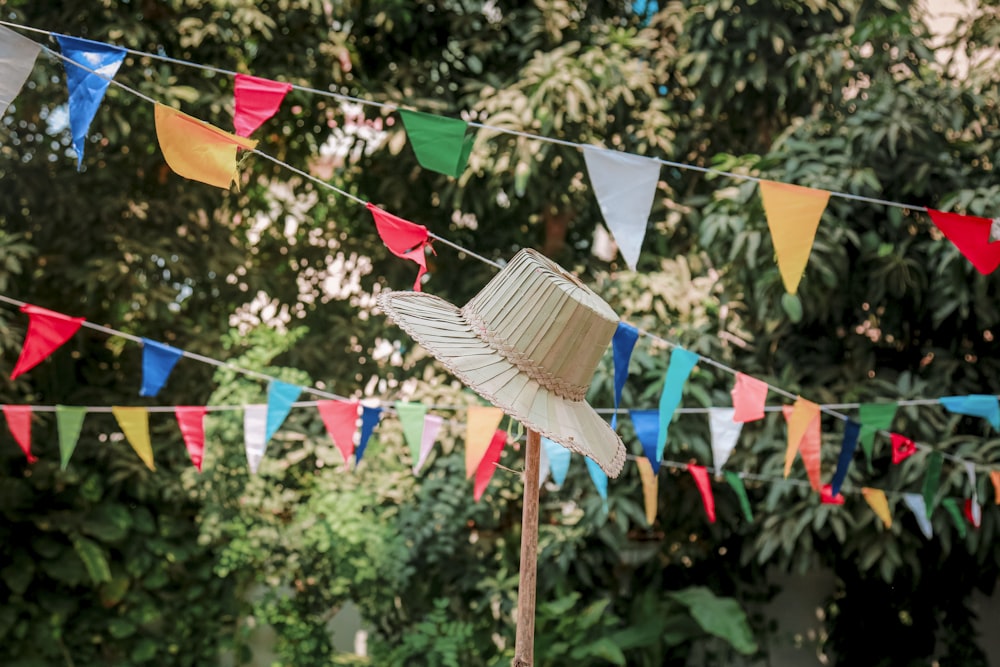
x=432, y=424
x=625, y=186
x=915, y=502
x=543, y=465
x=977, y=509
x=17, y=59
x=255, y=434
x=725, y=433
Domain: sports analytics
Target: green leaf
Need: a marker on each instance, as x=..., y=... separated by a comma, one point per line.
x=792, y=306
x=93, y=559
x=721, y=617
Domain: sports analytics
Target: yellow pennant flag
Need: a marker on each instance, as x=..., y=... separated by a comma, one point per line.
x=799, y=417
x=879, y=504
x=481, y=424
x=995, y=478
x=196, y=150
x=135, y=426
x=650, y=487
x=793, y=214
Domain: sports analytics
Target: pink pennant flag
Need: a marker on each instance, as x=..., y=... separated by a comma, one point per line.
x=191, y=420
x=341, y=421
x=432, y=425
x=971, y=235
x=403, y=239
x=480, y=423
x=47, y=330
x=700, y=475
x=256, y=100
x=826, y=496
x=19, y=422
x=749, y=396
x=801, y=430
x=487, y=466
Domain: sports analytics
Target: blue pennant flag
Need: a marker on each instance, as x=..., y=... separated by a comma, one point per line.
x=158, y=360
x=98, y=63
x=369, y=420
x=600, y=479
x=622, y=344
x=280, y=396
x=975, y=405
x=682, y=362
x=646, y=424
x=558, y=460
x=850, y=442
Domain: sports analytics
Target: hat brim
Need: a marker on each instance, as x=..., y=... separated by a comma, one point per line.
x=441, y=328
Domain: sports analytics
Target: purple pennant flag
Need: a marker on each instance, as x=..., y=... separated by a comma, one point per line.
x=682, y=362
x=646, y=424
x=975, y=405
x=847, y=447
x=622, y=343
x=369, y=420
x=158, y=360
x=280, y=396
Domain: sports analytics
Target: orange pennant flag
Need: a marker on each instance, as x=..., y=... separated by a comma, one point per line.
x=482, y=422
x=650, y=487
x=995, y=478
x=793, y=214
x=800, y=417
x=196, y=150
x=135, y=426
x=877, y=500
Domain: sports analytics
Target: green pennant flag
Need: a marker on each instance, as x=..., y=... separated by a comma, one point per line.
x=874, y=417
x=956, y=515
x=69, y=422
x=411, y=416
x=932, y=480
x=441, y=144
x=741, y=492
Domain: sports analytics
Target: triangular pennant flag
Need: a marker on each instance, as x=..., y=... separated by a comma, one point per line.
x=255, y=101
x=403, y=239
x=951, y=506
x=255, y=434
x=625, y=186
x=488, y=464
x=69, y=422
x=749, y=396
x=847, y=447
x=341, y=421
x=972, y=512
x=280, y=396
x=682, y=362
x=793, y=213
x=700, y=475
x=880, y=505
x=599, y=478
x=480, y=425
x=827, y=497
x=975, y=405
x=432, y=426
x=874, y=417
x=196, y=150
x=559, y=458
x=902, y=448
x=725, y=432
x=543, y=465
x=800, y=418
x=932, y=479
x=736, y=482
x=441, y=144
x=87, y=80
x=971, y=235
x=47, y=330
x=19, y=422
x=134, y=423
x=158, y=360
x=621, y=345
x=191, y=420
x=975, y=510
x=17, y=59
x=995, y=478
x=369, y=420
x=650, y=489
x=809, y=450
x=411, y=418
x=646, y=424
x=916, y=504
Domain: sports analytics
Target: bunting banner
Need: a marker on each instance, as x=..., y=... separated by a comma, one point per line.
x=725, y=432
x=975, y=405
x=255, y=101
x=280, y=396
x=800, y=417
x=441, y=144
x=916, y=504
x=411, y=418
x=19, y=422
x=196, y=150
x=793, y=213
x=736, y=483
x=932, y=479
x=650, y=489
x=480, y=425
x=134, y=423
x=341, y=421
x=17, y=59
x=951, y=506
x=47, y=330
x=700, y=475
x=403, y=238
x=749, y=397
x=87, y=86
x=622, y=344
x=971, y=235
x=158, y=361
x=847, y=447
x=191, y=421
x=902, y=448
x=880, y=505
x=625, y=187
x=432, y=426
x=559, y=458
x=874, y=417
x=682, y=362
x=370, y=417
x=488, y=463
x=599, y=478
x=254, y=434
x=69, y=422
x=646, y=424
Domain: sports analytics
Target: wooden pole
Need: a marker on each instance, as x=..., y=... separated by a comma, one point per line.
x=524, y=644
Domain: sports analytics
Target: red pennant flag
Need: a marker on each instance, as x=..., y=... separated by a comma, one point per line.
x=827, y=498
x=341, y=421
x=403, y=238
x=749, y=396
x=191, y=420
x=902, y=447
x=256, y=101
x=47, y=330
x=973, y=517
x=700, y=475
x=19, y=422
x=971, y=235
x=488, y=464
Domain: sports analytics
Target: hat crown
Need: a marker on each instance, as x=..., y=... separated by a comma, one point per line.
x=545, y=321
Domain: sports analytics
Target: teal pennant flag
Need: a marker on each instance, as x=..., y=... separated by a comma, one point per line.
x=682, y=362
x=280, y=396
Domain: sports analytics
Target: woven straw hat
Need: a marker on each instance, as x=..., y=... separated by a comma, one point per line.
x=529, y=343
